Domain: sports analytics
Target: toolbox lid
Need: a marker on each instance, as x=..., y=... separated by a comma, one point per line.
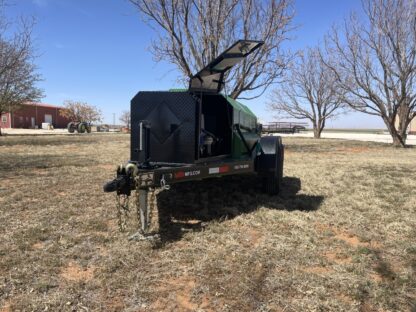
x=211, y=77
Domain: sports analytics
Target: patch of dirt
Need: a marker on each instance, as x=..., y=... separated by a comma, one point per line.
x=73, y=272
x=345, y=236
x=252, y=238
x=115, y=304
x=6, y=307
x=184, y=301
x=38, y=245
x=350, y=239
x=354, y=240
x=344, y=299
x=376, y=277
x=376, y=245
x=181, y=288
x=336, y=257
x=321, y=227
x=366, y=307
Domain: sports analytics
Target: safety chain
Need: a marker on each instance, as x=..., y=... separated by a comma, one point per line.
x=123, y=210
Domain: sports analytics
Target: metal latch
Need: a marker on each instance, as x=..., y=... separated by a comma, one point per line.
x=163, y=184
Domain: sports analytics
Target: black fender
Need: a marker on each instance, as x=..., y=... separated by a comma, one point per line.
x=271, y=155
x=269, y=163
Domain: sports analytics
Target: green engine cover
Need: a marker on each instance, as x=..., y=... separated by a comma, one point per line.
x=243, y=117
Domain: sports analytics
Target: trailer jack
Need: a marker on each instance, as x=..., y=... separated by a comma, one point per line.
x=145, y=208
x=128, y=180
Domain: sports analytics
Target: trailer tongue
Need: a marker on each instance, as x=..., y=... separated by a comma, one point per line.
x=194, y=134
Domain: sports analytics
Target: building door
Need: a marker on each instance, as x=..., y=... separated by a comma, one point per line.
x=33, y=122
x=48, y=118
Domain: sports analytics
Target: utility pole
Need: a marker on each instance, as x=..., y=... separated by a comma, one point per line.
x=114, y=120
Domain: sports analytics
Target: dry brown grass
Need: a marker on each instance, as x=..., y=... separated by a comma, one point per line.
x=341, y=237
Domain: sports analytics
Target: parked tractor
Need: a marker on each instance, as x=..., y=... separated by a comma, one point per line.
x=194, y=134
x=80, y=127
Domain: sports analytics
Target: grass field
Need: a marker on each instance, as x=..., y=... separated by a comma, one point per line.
x=340, y=237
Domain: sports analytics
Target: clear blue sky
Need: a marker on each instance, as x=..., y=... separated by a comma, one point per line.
x=97, y=51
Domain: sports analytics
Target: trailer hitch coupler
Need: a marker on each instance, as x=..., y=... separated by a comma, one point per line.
x=115, y=185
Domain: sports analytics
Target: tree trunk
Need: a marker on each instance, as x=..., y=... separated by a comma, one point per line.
x=318, y=126
x=316, y=132
x=398, y=135
x=397, y=142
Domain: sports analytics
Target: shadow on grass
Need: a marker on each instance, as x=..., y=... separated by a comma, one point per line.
x=384, y=268
x=187, y=206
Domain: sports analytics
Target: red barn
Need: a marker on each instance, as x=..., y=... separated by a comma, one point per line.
x=32, y=115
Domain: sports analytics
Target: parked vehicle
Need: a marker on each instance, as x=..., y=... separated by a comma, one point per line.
x=80, y=127
x=194, y=134
x=284, y=127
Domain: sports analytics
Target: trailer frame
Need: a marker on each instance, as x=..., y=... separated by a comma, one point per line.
x=167, y=174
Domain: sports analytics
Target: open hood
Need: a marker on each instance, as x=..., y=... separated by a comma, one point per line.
x=211, y=77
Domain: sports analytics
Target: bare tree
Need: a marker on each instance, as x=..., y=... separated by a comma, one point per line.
x=80, y=112
x=308, y=92
x=18, y=76
x=125, y=118
x=375, y=62
x=191, y=33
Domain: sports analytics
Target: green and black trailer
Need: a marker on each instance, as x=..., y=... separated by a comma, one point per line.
x=194, y=134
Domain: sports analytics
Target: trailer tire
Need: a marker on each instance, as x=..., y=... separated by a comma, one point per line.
x=82, y=127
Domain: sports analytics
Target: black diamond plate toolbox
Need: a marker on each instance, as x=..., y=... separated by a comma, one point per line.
x=173, y=126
